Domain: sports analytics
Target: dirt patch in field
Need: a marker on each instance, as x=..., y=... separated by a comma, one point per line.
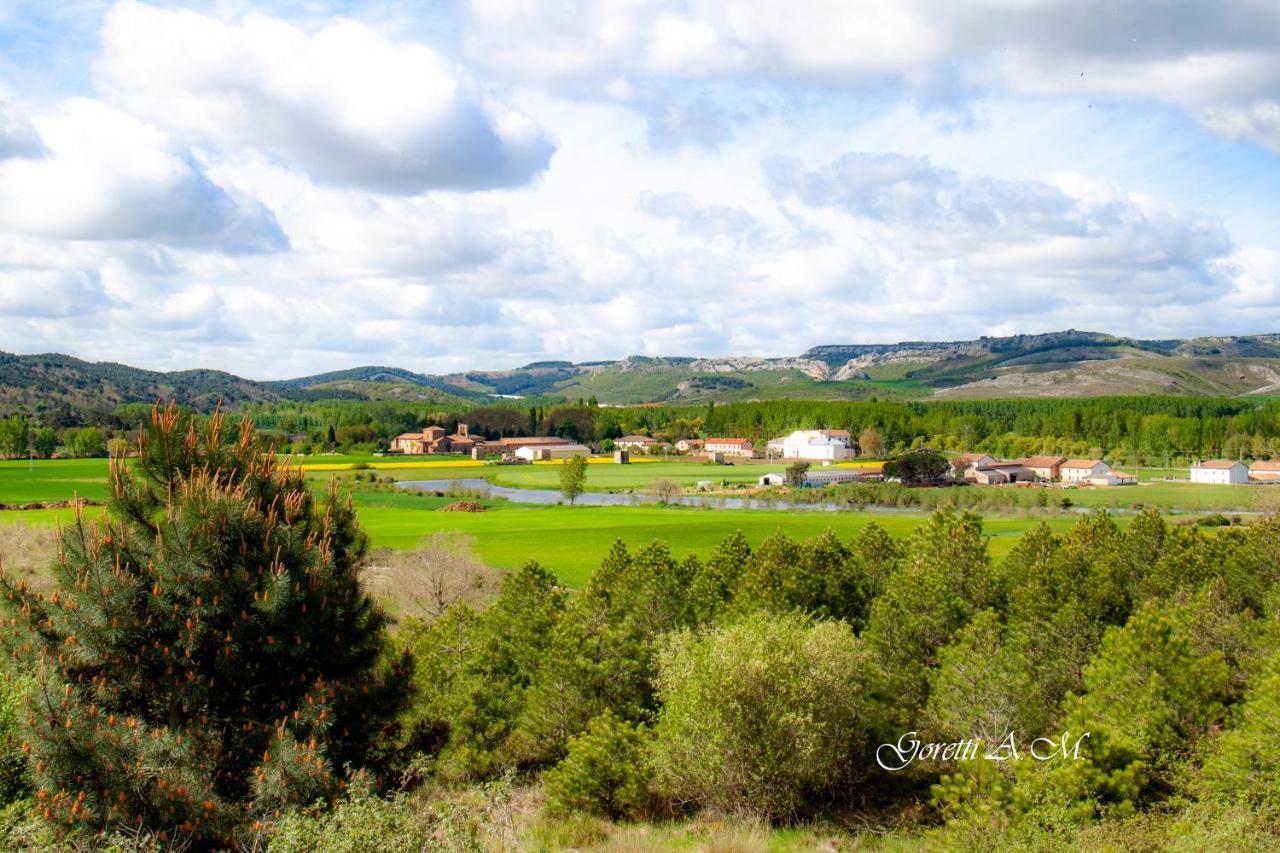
x=50, y=505
x=464, y=506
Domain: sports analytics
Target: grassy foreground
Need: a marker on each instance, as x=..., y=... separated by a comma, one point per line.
x=570, y=541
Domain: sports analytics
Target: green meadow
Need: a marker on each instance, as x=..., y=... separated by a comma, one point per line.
x=572, y=540
x=602, y=476
x=52, y=480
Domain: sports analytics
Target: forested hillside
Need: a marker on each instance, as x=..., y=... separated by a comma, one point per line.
x=1067, y=364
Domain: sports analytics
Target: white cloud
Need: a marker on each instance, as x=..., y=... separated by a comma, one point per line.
x=288, y=193
x=18, y=138
x=1217, y=60
x=46, y=293
x=108, y=176
x=348, y=104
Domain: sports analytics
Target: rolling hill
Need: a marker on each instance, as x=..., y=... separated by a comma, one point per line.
x=1058, y=364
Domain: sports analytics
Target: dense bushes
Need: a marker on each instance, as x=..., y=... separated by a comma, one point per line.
x=604, y=770
x=763, y=716
x=759, y=680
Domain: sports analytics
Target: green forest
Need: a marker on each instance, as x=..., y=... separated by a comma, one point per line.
x=209, y=671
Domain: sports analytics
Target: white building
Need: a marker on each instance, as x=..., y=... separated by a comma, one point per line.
x=964, y=464
x=1082, y=470
x=552, y=451
x=634, y=442
x=1220, y=471
x=824, y=477
x=817, y=445
x=832, y=477
x=729, y=446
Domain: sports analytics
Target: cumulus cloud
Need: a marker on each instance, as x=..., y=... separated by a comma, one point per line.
x=285, y=192
x=108, y=176
x=915, y=240
x=1073, y=225
x=348, y=104
x=718, y=221
x=18, y=138
x=1216, y=60
x=47, y=293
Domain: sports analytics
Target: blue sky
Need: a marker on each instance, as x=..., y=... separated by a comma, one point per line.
x=290, y=187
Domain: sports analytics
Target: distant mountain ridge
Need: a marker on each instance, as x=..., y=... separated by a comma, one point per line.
x=1056, y=364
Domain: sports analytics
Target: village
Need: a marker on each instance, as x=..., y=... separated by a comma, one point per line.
x=822, y=450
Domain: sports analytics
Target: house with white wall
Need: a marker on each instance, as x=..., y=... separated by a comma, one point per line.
x=547, y=452
x=1220, y=471
x=729, y=446
x=1082, y=470
x=817, y=445
x=641, y=443
x=964, y=464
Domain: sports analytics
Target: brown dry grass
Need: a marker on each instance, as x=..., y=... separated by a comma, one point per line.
x=27, y=552
x=425, y=581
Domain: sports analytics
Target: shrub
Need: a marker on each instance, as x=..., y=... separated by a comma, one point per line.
x=15, y=782
x=1243, y=762
x=759, y=716
x=604, y=772
x=364, y=823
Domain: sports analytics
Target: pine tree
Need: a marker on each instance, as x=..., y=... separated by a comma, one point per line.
x=209, y=657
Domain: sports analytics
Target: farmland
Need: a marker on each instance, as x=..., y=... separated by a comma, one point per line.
x=571, y=540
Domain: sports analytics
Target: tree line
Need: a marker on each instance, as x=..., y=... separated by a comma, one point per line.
x=1127, y=430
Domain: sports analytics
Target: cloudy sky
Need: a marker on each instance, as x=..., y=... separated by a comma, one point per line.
x=281, y=188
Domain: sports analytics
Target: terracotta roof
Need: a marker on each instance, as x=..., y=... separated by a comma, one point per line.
x=738, y=441
x=1041, y=461
x=1081, y=463
x=1218, y=464
x=413, y=435
x=1264, y=466
x=838, y=433
x=1121, y=473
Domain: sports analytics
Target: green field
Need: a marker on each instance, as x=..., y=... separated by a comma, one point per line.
x=571, y=541
x=61, y=479
x=1182, y=496
x=52, y=480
